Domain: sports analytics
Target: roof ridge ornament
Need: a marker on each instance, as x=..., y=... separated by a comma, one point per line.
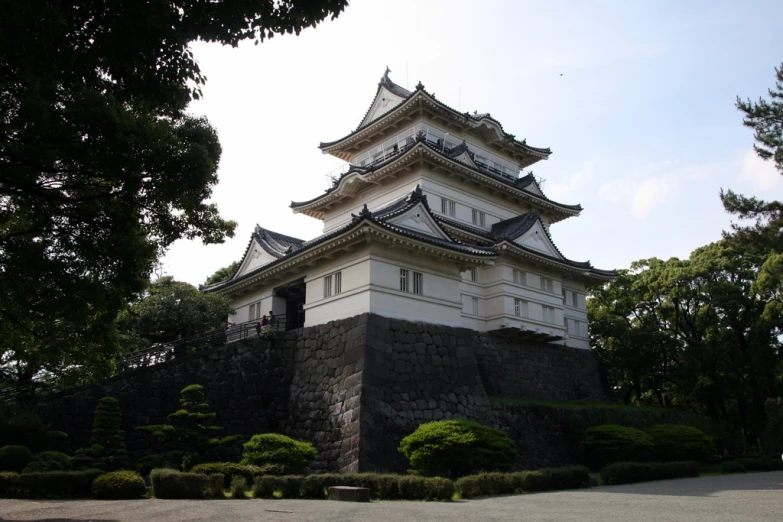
x=385, y=78
x=419, y=86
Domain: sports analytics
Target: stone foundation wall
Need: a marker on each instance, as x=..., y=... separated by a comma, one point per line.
x=353, y=388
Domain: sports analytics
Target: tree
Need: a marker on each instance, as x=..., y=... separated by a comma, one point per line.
x=101, y=168
x=107, y=443
x=222, y=274
x=696, y=334
x=172, y=310
x=191, y=427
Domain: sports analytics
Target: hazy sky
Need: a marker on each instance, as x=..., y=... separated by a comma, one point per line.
x=635, y=99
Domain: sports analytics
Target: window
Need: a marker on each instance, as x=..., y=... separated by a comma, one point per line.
x=333, y=284
x=575, y=300
x=547, y=285
x=479, y=218
x=565, y=323
x=474, y=305
x=448, y=207
x=549, y=314
x=520, y=277
x=578, y=328
x=252, y=314
x=404, y=275
x=520, y=307
x=565, y=297
x=471, y=275
x=408, y=283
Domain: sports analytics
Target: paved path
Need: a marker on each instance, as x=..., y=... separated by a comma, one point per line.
x=753, y=497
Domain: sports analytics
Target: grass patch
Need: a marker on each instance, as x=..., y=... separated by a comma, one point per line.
x=497, y=399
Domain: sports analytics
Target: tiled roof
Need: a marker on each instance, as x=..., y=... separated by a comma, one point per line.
x=518, y=183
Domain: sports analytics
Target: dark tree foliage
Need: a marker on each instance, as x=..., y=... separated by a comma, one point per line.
x=107, y=443
x=171, y=310
x=101, y=169
x=222, y=274
x=191, y=427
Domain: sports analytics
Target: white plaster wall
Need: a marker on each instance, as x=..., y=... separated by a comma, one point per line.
x=353, y=298
x=376, y=196
x=256, y=256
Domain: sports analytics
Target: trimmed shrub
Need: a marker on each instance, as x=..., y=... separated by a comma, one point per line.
x=381, y=486
x=275, y=449
x=14, y=457
x=107, y=443
x=229, y=470
x=457, y=448
x=610, y=443
x=61, y=484
x=26, y=428
x=760, y=463
x=546, y=479
x=732, y=466
x=238, y=487
x=675, y=443
x=119, y=485
x=629, y=472
x=49, y=461
x=168, y=483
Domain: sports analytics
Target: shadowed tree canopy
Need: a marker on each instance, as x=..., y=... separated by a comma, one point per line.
x=101, y=169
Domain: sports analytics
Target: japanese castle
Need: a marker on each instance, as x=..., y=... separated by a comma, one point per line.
x=433, y=219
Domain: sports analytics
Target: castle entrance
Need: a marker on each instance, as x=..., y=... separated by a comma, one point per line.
x=294, y=295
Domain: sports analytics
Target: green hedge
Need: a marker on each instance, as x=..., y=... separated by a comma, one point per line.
x=760, y=463
x=628, y=472
x=62, y=484
x=677, y=443
x=610, y=443
x=547, y=479
x=119, y=485
x=238, y=487
x=274, y=448
x=381, y=486
x=229, y=470
x=168, y=483
x=732, y=466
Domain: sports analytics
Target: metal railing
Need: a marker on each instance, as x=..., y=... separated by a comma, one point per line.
x=154, y=355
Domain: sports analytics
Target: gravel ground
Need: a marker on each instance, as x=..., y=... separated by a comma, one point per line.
x=755, y=497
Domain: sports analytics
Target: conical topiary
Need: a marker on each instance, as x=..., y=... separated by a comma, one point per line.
x=107, y=444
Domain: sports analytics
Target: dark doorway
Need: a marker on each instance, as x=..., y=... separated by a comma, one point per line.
x=294, y=295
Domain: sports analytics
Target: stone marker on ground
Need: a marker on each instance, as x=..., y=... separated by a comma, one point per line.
x=349, y=494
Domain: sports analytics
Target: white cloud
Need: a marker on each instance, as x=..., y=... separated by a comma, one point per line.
x=574, y=184
x=643, y=193
x=759, y=174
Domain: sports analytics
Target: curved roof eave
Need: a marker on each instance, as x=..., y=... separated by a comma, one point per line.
x=570, y=210
x=584, y=268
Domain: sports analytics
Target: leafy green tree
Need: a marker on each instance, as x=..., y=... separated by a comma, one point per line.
x=696, y=334
x=107, y=443
x=222, y=274
x=101, y=166
x=191, y=427
x=172, y=310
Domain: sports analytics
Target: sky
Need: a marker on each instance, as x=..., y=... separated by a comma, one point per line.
x=635, y=99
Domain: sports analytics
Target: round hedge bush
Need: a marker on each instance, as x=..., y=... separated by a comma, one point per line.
x=675, y=443
x=14, y=457
x=273, y=448
x=610, y=443
x=118, y=485
x=457, y=448
x=732, y=466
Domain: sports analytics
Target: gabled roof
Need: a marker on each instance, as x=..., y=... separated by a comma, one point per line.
x=470, y=122
x=392, y=88
x=524, y=186
x=383, y=218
